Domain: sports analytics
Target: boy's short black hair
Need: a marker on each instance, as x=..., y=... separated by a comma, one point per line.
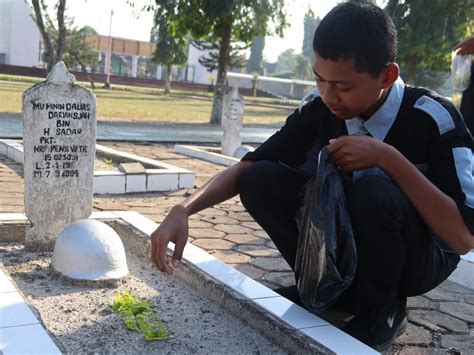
x=358, y=30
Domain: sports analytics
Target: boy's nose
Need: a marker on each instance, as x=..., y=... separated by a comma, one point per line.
x=329, y=97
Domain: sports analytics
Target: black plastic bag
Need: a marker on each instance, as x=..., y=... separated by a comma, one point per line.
x=326, y=258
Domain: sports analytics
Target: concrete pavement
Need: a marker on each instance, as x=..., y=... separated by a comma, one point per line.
x=11, y=128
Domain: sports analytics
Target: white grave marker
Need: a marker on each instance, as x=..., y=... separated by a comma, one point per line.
x=232, y=122
x=59, y=134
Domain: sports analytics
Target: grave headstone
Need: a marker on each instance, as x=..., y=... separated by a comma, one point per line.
x=232, y=122
x=59, y=134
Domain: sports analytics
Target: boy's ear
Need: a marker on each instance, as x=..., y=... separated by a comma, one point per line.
x=391, y=72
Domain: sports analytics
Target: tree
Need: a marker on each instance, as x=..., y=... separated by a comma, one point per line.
x=255, y=62
x=310, y=25
x=170, y=47
x=286, y=61
x=303, y=67
x=79, y=52
x=211, y=60
x=54, y=46
x=222, y=22
x=427, y=32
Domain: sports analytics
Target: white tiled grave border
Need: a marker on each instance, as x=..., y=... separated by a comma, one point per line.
x=161, y=177
x=205, y=153
x=274, y=307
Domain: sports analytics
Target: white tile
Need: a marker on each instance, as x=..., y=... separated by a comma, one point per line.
x=186, y=181
x=189, y=151
x=209, y=264
x=3, y=149
x=246, y=286
x=178, y=148
x=162, y=182
x=10, y=151
x=468, y=257
x=214, y=158
x=14, y=311
x=108, y=173
x=6, y=284
x=338, y=341
x=291, y=313
x=231, y=162
x=138, y=221
x=14, y=154
x=102, y=148
x=136, y=183
x=13, y=217
x=189, y=249
x=103, y=215
x=168, y=171
x=27, y=339
x=109, y=184
x=464, y=274
x=14, y=144
x=202, y=153
x=19, y=156
x=157, y=164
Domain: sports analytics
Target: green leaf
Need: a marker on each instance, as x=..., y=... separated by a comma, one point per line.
x=138, y=315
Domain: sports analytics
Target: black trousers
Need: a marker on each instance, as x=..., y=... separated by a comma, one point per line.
x=397, y=256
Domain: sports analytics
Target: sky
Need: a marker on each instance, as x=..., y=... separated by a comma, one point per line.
x=134, y=24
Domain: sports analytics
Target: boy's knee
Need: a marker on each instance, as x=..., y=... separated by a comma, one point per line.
x=270, y=184
x=248, y=183
x=372, y=197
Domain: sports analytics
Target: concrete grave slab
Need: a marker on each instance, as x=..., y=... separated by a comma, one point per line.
x=156, y=175
x=289, y=328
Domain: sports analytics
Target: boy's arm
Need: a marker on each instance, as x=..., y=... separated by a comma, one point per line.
x=174, y=227
x=289, y=145
x=438, y=210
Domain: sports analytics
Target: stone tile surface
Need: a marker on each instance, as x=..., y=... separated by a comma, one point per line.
x=439, y=320
x=415, y=335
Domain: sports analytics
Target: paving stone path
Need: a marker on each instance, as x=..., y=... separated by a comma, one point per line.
x=440, y=322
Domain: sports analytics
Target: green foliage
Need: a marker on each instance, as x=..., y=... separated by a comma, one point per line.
x=139, y=315
x=255, y=62
x=286, y=61
x=310, y=24
x=427, y=32
x=73, y=48
x=88, y=30
x=78, y=51
x=211, y=61
x=170, y=48
x=227, y=26
x=53, y=37
x=108, y=162
x=303, y=67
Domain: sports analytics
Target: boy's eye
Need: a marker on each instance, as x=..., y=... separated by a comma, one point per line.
x=345, y=89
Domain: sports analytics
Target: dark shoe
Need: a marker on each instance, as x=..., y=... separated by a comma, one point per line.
x=290, y=293
x=380, y=329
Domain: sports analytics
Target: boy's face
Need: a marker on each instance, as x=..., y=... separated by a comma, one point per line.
x=345, y=91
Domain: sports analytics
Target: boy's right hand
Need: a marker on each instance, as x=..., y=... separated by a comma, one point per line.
x=465, y=47
x=174, y=229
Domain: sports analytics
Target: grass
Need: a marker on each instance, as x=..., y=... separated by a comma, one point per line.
x=146, y=105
